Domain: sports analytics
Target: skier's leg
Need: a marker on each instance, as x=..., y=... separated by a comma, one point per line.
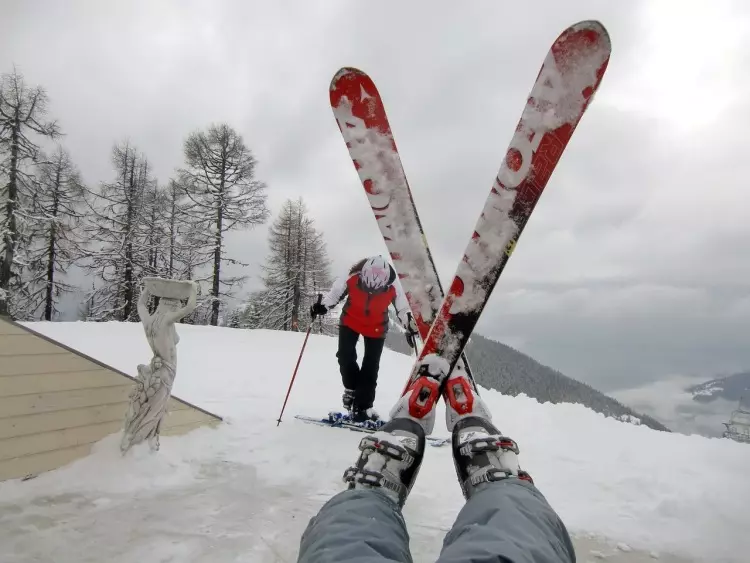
x=359, y=525
x=368, y=375
x=505, y=518
x=347, y=357
x=364, y=524
x=507, y=521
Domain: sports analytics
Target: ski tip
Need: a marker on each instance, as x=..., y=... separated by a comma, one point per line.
x=598, y=26
x=593, y=29
x=355, y=86
x=347, y=72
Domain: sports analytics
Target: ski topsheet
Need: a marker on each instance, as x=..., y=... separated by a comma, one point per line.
x=565, y=85
x=363, y=122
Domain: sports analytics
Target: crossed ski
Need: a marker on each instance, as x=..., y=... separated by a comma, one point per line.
x=565, y=85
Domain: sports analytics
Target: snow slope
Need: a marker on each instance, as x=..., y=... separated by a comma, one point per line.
x=245, y=491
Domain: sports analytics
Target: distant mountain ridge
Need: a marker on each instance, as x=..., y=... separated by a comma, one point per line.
x=500, y=367
x=731, y=387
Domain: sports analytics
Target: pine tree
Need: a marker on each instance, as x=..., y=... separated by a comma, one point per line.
x=120, y=218
x=154, y=229
x=174, y=219
x=233, y=318
x=86, y=308
x=22, y=114
x=251, y=315
x=56, y=234
x=219, y=181
x=296, y=270
x=187, y=247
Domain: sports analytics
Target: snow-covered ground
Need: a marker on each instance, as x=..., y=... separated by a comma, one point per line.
x=245, y=491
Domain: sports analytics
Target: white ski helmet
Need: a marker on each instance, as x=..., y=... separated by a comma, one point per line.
x=375, y=273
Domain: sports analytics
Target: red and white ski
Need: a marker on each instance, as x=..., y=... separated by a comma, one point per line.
x=363, y=122
x=567, y=81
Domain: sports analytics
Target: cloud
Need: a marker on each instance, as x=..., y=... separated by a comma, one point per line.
x=668, y=402
x=616, y=337
x=632, y=266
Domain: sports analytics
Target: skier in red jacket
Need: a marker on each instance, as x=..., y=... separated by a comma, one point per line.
x=369, y=290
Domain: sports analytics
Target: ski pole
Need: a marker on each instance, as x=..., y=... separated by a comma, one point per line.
x=411, y=338
x=294, y=375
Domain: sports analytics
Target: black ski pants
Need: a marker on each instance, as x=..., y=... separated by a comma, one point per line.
x=362, y=380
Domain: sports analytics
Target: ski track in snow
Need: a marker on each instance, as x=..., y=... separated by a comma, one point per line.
x=245, y=491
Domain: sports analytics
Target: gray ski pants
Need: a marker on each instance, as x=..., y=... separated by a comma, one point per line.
x=503, y=522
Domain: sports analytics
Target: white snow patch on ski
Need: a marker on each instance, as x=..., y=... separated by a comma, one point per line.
x=436, y=365
x=390, y=199
x=496, y=230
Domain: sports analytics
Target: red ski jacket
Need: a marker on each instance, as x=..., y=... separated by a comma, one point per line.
x=367, y=312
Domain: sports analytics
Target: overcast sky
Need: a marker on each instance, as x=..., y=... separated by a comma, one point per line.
x=634, y=266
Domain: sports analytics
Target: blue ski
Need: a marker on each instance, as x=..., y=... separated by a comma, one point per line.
x=339, y=420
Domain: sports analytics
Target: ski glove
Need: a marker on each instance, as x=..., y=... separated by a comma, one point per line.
x=317, y=308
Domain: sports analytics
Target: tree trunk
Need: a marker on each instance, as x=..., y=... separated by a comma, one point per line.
x=297, y=275
x=51, y=250
x=128, y=277
x=172, y=238
x=152, y=241
x=217, y=270
x=10, y=209
x=287, y=263
x=217, y=247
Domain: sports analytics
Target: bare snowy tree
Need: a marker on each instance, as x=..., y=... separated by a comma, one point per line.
x=120, y=223
x=185, y=249
x=219, y=181
x=56, y=239
x=188, y=248
x=86, y=308
x=296, y=269
x=252, y=316
x=23, y=110
x=174, y=215
x=154, y=229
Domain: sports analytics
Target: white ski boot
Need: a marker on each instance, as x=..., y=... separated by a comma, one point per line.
x=390, y=459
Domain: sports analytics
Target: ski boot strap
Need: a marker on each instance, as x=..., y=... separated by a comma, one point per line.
x=491, y=443
x=393, y=451
x=371, y=478
x=374, y=479
x=492, y=474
